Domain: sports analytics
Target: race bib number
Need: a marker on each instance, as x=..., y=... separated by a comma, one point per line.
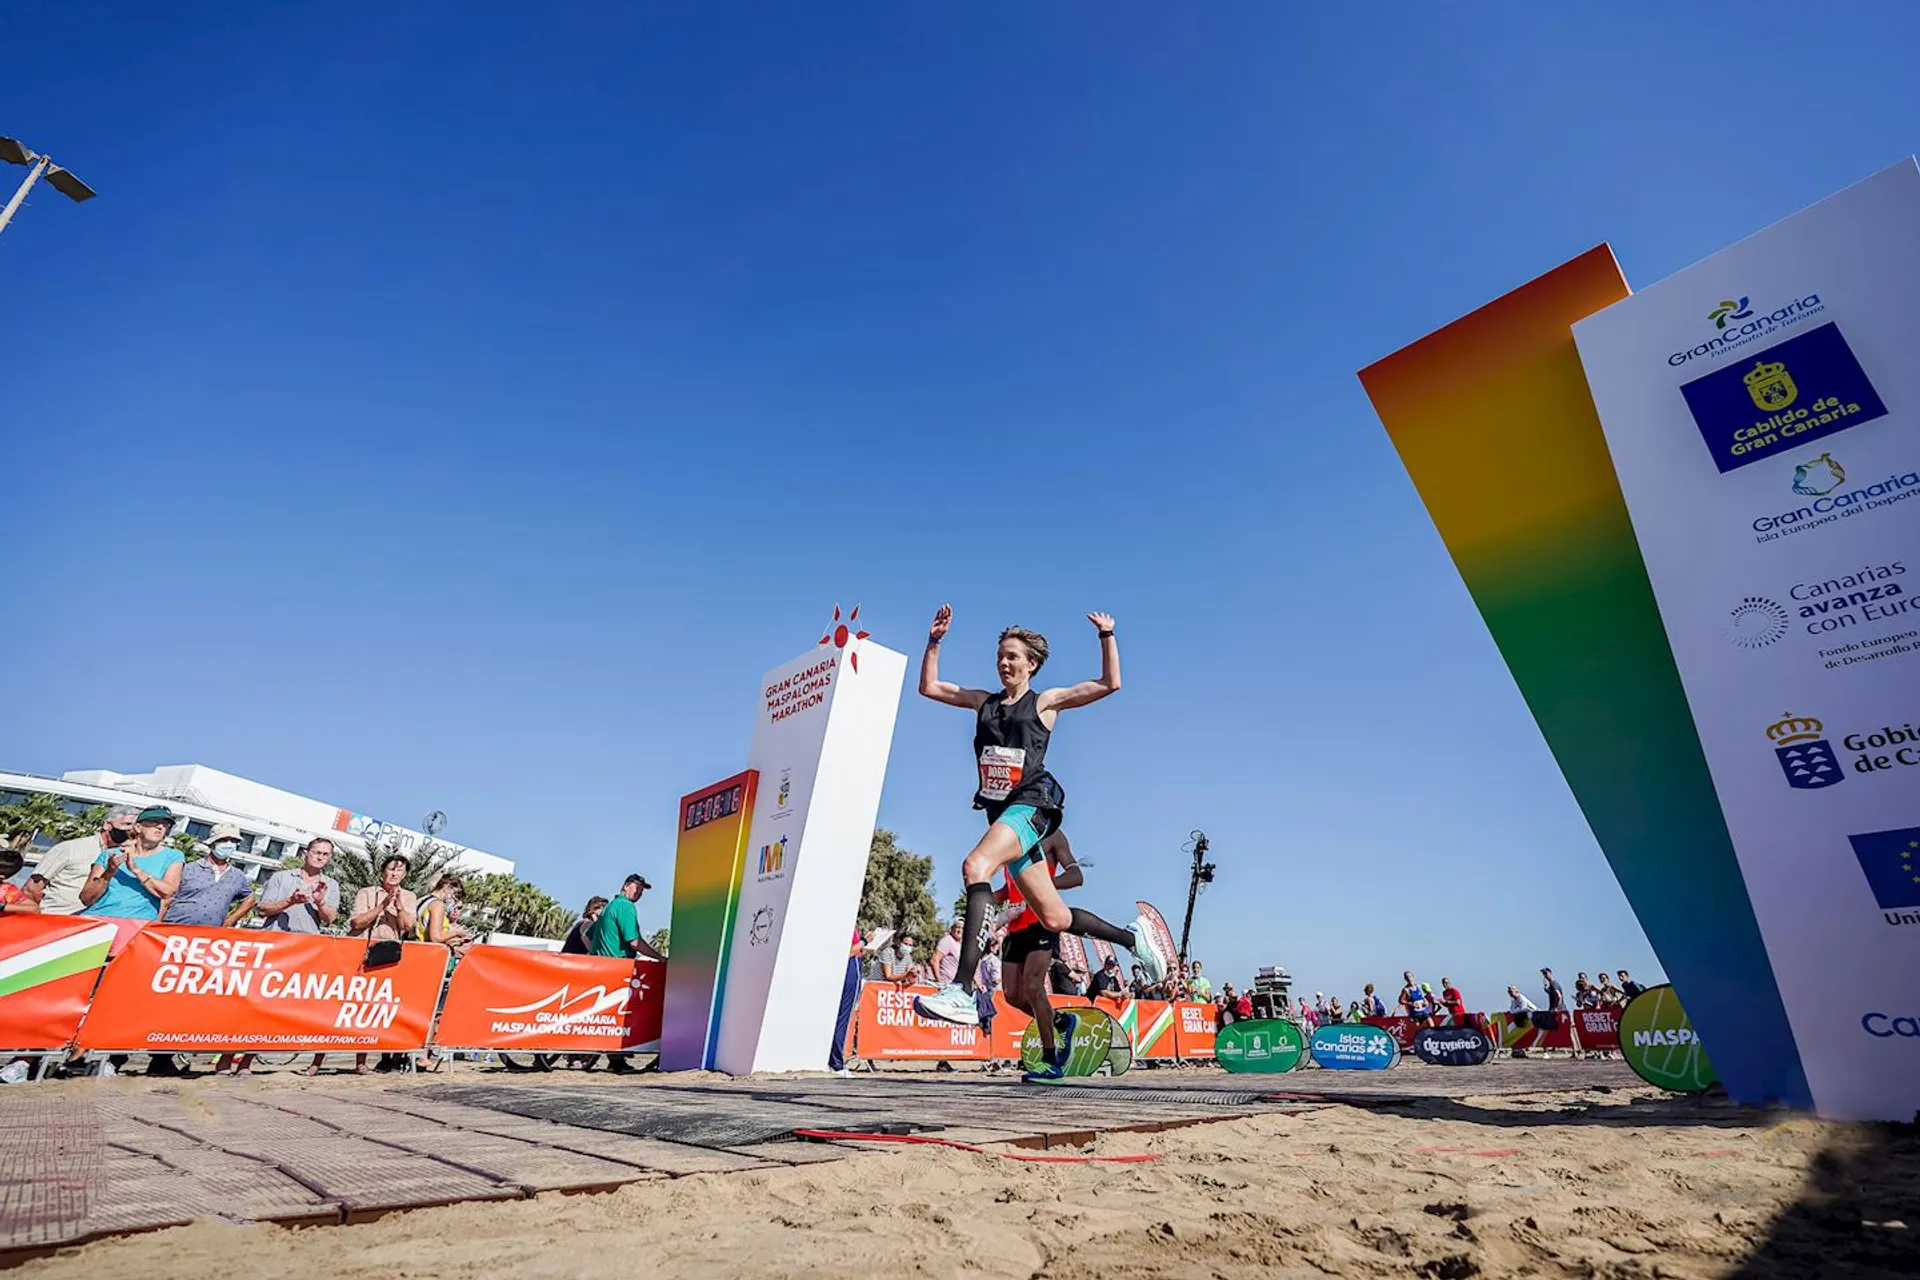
x=1000, y=770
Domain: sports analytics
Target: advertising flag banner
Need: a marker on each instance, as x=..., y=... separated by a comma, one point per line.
x=515, y=998
x=48, y=965
x=1353, y=1046
x=184, y=989
x=1659, y=1043
x=1762, y=409
x=820, y=746
x=1494, y=421
x=708, y=868
x=1260, y=1046
x=1073, y=952
x=1460, y=1046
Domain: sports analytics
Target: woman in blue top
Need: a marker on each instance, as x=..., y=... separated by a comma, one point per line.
x=134, y=881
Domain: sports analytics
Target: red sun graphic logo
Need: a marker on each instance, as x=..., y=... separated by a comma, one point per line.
x=841, y=635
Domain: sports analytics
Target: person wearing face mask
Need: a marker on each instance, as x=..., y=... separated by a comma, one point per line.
x=66, y=865
x=134, y=881
x=213, y=892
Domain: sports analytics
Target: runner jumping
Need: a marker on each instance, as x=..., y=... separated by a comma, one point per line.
x=1023, y=802
x=1027, y=954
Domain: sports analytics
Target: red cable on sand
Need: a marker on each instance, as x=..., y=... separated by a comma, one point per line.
x=834, y=1135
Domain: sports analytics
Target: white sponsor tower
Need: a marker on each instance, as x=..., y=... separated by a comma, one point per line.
x=820, y=745
x=1763, y=412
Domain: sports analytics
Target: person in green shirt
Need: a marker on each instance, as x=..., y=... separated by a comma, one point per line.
x=617, y=932
x=1199, y=986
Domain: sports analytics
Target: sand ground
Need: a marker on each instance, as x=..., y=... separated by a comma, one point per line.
x=1621, y=1182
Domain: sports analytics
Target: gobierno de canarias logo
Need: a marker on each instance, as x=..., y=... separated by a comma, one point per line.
x=1805, y=756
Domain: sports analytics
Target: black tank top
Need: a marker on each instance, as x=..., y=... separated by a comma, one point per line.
x=1010, y=752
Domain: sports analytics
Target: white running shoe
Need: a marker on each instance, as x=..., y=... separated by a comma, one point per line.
x=949, y=1004
x=1146, y=949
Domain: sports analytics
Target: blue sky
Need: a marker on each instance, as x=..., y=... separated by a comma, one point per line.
x=459, y=406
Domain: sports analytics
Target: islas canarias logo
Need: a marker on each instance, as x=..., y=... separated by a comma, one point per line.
x=1805, y=756
x=1730, y=310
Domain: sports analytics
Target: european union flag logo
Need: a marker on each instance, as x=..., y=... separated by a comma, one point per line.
x=1790, y=394
x=1891, y=861
x=1810, y=765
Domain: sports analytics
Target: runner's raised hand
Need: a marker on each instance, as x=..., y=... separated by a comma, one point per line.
x=1101, y=621
x=942, y=619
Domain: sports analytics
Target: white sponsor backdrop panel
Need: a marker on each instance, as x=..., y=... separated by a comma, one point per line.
x=1763, y=412
x=821, y=743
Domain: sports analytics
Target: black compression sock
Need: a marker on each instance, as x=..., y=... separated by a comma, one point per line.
x=1089, y=925
x=973, y=934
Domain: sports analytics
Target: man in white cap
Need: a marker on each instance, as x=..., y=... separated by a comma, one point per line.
x=213, y=892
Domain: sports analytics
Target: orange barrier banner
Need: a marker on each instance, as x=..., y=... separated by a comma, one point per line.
x=889, y=1028
x=1525, y=1030
x=189, y=989
x=514, y=998
x=1194, y=1026
x=48, y=965
x=1151, y=1024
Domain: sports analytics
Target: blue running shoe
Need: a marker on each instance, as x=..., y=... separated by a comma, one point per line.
x=1046, y=1073
x=1064, y=1027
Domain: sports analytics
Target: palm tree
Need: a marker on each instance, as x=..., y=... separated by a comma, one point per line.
x=38, y=813
x=508, y=904
x=184, y=842
x=357, y=870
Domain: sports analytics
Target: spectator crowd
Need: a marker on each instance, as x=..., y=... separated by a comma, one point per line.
x=130, y=870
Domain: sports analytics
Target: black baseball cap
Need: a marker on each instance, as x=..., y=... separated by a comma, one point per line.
x=637, y=878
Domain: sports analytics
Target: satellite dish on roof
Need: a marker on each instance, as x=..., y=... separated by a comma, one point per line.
x=434, y=822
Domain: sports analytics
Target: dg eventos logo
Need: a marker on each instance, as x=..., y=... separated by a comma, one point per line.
x=1658, y=1041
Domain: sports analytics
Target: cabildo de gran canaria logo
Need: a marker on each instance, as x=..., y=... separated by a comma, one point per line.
x=1795, y=392
x=1735, y=325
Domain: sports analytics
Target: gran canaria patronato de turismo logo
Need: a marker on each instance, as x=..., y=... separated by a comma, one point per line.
x=1735, y=325
x=1730, y=310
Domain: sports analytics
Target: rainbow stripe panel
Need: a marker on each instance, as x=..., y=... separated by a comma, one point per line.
x=707, y=869
x=1496, y=426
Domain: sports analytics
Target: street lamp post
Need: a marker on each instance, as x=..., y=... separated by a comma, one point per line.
x=38, y=167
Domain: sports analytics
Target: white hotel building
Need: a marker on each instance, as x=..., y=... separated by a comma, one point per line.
x=273, y=823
